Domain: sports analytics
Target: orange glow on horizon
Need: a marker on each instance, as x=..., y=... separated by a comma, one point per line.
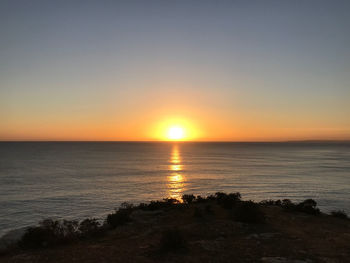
x=155, y=126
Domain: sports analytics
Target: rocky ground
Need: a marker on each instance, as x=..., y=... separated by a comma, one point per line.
x=206, y=235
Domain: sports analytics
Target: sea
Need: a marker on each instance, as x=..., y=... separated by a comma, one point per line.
x=76, y=180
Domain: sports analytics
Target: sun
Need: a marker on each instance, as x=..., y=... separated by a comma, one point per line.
x=174, y=129
x=176, y=133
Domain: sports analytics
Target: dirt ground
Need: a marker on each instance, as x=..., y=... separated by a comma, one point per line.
x=211, y=237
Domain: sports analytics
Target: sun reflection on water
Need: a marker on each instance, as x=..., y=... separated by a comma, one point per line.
x=175, y=181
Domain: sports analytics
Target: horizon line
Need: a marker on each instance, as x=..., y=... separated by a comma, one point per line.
x=184, y=141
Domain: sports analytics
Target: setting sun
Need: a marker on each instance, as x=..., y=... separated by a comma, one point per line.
x=176, y=133
x=175, y=129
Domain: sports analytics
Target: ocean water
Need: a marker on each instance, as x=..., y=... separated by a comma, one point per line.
x=74, y=180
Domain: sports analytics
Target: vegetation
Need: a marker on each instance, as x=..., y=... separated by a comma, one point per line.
x=340, y=214
x=55, y=232
x=248, y=212
x=188, y=199
x=166, y=203
x=120, y=216
x=200, y=199
x=49, y=233
x=287, y=204
x=308, y=206
x=90, y=227
x=205, y=227
x=227, y=201
x=271, y=202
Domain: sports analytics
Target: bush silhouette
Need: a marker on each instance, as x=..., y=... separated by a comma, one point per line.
x=340, y=214
x=49, y=233
x=227, y=200
x=154, y=205
x=248, y=212
x=188, y=199
x=200, y=199
x=272, y=202
x=89, y=227
x=70, y=229
x=158, y=205
x=308, y=206
x=171, y=201
x=126, y=205
x=54, y=232
x=119, y=217
x=287, y=204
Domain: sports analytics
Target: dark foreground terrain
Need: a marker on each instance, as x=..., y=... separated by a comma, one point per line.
x=219, y=228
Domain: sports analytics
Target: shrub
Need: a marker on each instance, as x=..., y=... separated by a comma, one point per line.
x=287, y=204
x=89, y=227
x=219, y=195
x=267, y=202
x=211, y=198
x=126, y=205
x=157, y=205
x=272, y=202
x=340, y=214
x=36, y=237
x=171, y=201
x=188, y=199
x=49, y=233
x=200, y=199
x=142, y=206
x=249, y=212
x=308, y=206
x=227, y=200
x=54, y=232
x=172, y=240
x=70, y=229
x=119, y=217
x=278, y=202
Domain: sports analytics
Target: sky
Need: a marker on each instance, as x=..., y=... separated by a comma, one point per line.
x=128, y=70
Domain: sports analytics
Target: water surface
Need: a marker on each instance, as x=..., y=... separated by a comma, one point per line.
x=75, y=180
